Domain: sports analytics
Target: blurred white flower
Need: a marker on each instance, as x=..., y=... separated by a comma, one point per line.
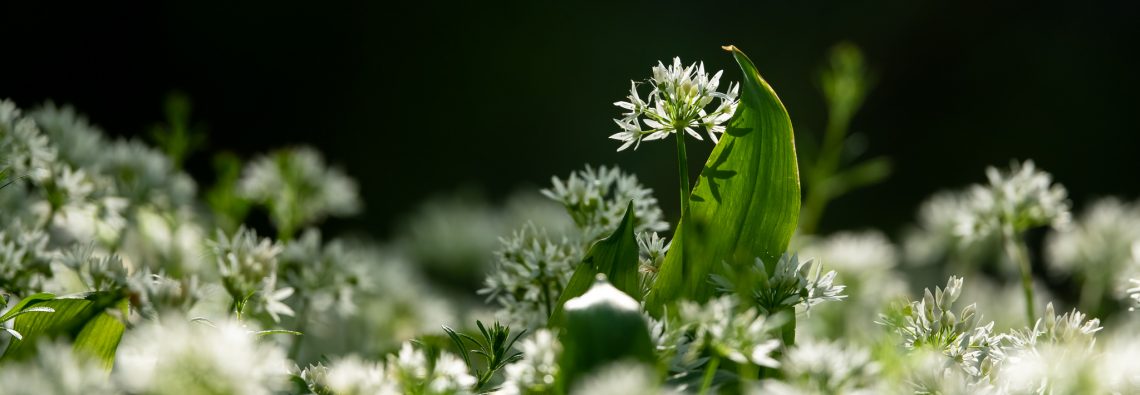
x=825, y=367
x=864, y=263
x=598, y=197
x=416, y=374
x=622, y=379
x=793, y=285
x=678, y=102
x=55, y=369
x=24, y=150
x=742, y=336
x=299, y=188
x=175, y=356
x=1099, y=250
x=1021, y=198
x=530, y=271
x=538, y=368
x=79, y=142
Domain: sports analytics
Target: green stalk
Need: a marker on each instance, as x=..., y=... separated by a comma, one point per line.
x=683, y=174
x=1017, y=251
x=822, y=170
x=710, y=372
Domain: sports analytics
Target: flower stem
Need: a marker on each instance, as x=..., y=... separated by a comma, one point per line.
x=1015, y=248
x=710, y=372
x=683, y=174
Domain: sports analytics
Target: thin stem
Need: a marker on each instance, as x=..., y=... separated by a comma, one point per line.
x=710, y=371
x=1017, y=251
x=683, y=174
x=823, y=169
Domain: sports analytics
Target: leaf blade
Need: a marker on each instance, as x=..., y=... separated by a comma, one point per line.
x=746, y=201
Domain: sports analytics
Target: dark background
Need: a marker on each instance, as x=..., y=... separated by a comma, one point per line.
x=425, y=98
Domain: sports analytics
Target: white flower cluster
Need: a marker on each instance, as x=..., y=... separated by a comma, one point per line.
x=537, y=371
x=652, y=249
x=597, y=199
x=409, y=371
x=56, y=369
x=68, y=188
x=825, y=367
x=793, y=285
x=1021, y=198
x=678, y=102
x=530, y=272
x=1100, y=248
x=623, y=378
x=741, y=335
x=865, y=263
x=298, y=188
x=451, y=235
x=248, y=266
x=930, y=323
x=1069, y=328
x=176, y=356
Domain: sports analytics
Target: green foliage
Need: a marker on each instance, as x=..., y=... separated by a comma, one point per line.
x=495, y=348
x=602, y=326
x=828, y=171
x=746, y=202
x=87, y=320
x=614, y=256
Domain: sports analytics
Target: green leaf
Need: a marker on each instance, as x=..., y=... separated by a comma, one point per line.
x=83, y=319
x=746, y=202
x=20, y=307
x=602, y=326
x=615, y=256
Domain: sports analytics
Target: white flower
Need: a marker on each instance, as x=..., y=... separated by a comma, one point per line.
x=793, y=285
x=827, y=367
x=1099, y=250
x=930, y=324
x=597, y=198
x=350, y=375
x=538, y=368
x=273, y=300
x=530, y=270
x=622, y=379
x=740, y=336
x=55, y=369
x=174, y=356
x=1021, y=198
x=299, y=188
x=678, y=102
x=447, y=375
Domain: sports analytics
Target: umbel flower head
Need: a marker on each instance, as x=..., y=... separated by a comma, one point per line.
x=678, y=102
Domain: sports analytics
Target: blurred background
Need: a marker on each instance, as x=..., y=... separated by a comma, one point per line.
x=422, y=99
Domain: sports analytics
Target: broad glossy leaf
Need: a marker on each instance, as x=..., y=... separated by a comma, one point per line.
x=615, y=256
x=746, y=202
x=83, y=319
x=19, y=307
x=602, y=326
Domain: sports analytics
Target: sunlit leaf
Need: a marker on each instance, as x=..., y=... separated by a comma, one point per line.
x=20, y=308
x=746, y=202
x=615, y=256
x=602, y=326
x=84, y=319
